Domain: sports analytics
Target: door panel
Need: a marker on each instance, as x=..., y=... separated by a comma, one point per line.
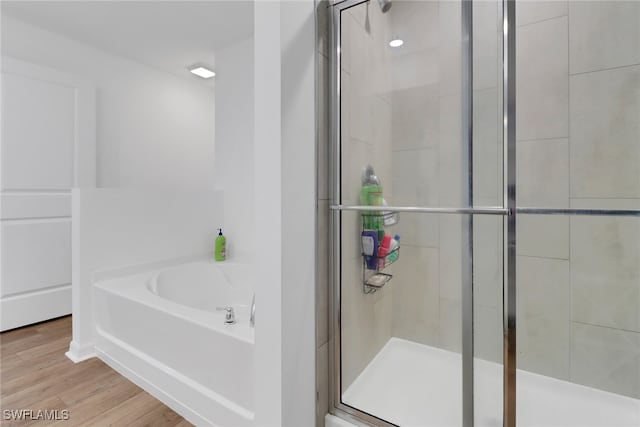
x=48, y=133
x=38, y=134
x=35, y=255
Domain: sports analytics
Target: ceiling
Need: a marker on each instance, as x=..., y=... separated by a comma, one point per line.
x=168, y=35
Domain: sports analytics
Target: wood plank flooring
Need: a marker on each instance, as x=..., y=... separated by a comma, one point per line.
x=35, y=374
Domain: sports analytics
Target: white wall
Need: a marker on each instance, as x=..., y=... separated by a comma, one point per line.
x=154, y=129
x=116, y=229
x=268, y=333
x=285, y=194
x=234, y=143
x=298, y=213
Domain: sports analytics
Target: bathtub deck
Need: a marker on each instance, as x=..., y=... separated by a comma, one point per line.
x=35, y=374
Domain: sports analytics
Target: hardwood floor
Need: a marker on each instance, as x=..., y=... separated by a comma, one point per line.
x=35, y=374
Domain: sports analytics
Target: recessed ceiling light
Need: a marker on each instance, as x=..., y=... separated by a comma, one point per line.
x=200, y=71
x=396, y=42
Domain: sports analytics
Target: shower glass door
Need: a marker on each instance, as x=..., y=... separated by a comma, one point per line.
x=418, y=286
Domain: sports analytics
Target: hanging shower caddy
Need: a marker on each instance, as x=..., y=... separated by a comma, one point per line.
x=373, y=276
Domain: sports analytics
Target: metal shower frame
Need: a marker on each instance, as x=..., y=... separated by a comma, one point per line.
x=508, y=211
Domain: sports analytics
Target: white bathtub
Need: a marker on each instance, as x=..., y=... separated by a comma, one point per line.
x=161, y=330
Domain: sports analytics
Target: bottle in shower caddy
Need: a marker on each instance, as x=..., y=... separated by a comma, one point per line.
x=383, y=252
x=220, y=252
x=371, y=195
x=395, y=244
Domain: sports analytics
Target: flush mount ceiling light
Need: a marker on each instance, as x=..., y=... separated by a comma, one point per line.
x=396, y=42
x=201, y=71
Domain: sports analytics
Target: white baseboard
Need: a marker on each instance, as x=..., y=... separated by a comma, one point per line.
x=78, y=353
x=32, y=307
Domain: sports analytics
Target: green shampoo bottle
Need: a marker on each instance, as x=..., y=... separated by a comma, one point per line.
x=221, y=247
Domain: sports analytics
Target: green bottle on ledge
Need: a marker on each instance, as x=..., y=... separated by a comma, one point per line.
x=221, y=247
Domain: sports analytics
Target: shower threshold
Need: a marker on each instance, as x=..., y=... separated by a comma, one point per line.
x=415, y=385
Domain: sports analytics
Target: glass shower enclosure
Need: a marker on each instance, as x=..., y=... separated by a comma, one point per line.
x=461, y=157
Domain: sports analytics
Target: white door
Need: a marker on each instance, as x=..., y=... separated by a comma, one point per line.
x=47, y=147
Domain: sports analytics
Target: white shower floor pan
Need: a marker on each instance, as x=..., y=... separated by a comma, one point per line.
x=415, y=385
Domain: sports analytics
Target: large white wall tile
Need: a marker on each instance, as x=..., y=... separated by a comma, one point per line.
x=487, y=44
x=488, y=333
x=543, y=181
x=366, y=321
x=382, y=143
x=416, y=117
x=357, y=334
x=603, y=34
x=451, y=256
x=544, y=236
x=543, y=173
x=347, y=26
x=356, y=155
x=542, y=83
x=415, y=295
x=360, y=110
x=605, y=130
x=450, y=44
x=415, y=177
x=418, y=230
x=351, y=241
x=451, y=175
x=487, y=260
x=345, y=102
x=487, y=146
x=605, y=266
x=531, y=11
x=605, y=358
x=413, y=68
x=544, y=311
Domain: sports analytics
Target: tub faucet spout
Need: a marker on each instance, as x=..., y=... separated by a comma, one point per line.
x=252, y=320
x=230, y=315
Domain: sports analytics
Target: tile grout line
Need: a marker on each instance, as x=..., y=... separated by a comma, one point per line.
x=606, y=327
x=542, y=257
x=618, y=67
x=544, y=20
x=557, y=139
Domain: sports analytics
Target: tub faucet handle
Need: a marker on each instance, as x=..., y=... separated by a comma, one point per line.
x=229, y=316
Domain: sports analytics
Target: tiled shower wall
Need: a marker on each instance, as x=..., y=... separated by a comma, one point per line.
x=578, y=136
